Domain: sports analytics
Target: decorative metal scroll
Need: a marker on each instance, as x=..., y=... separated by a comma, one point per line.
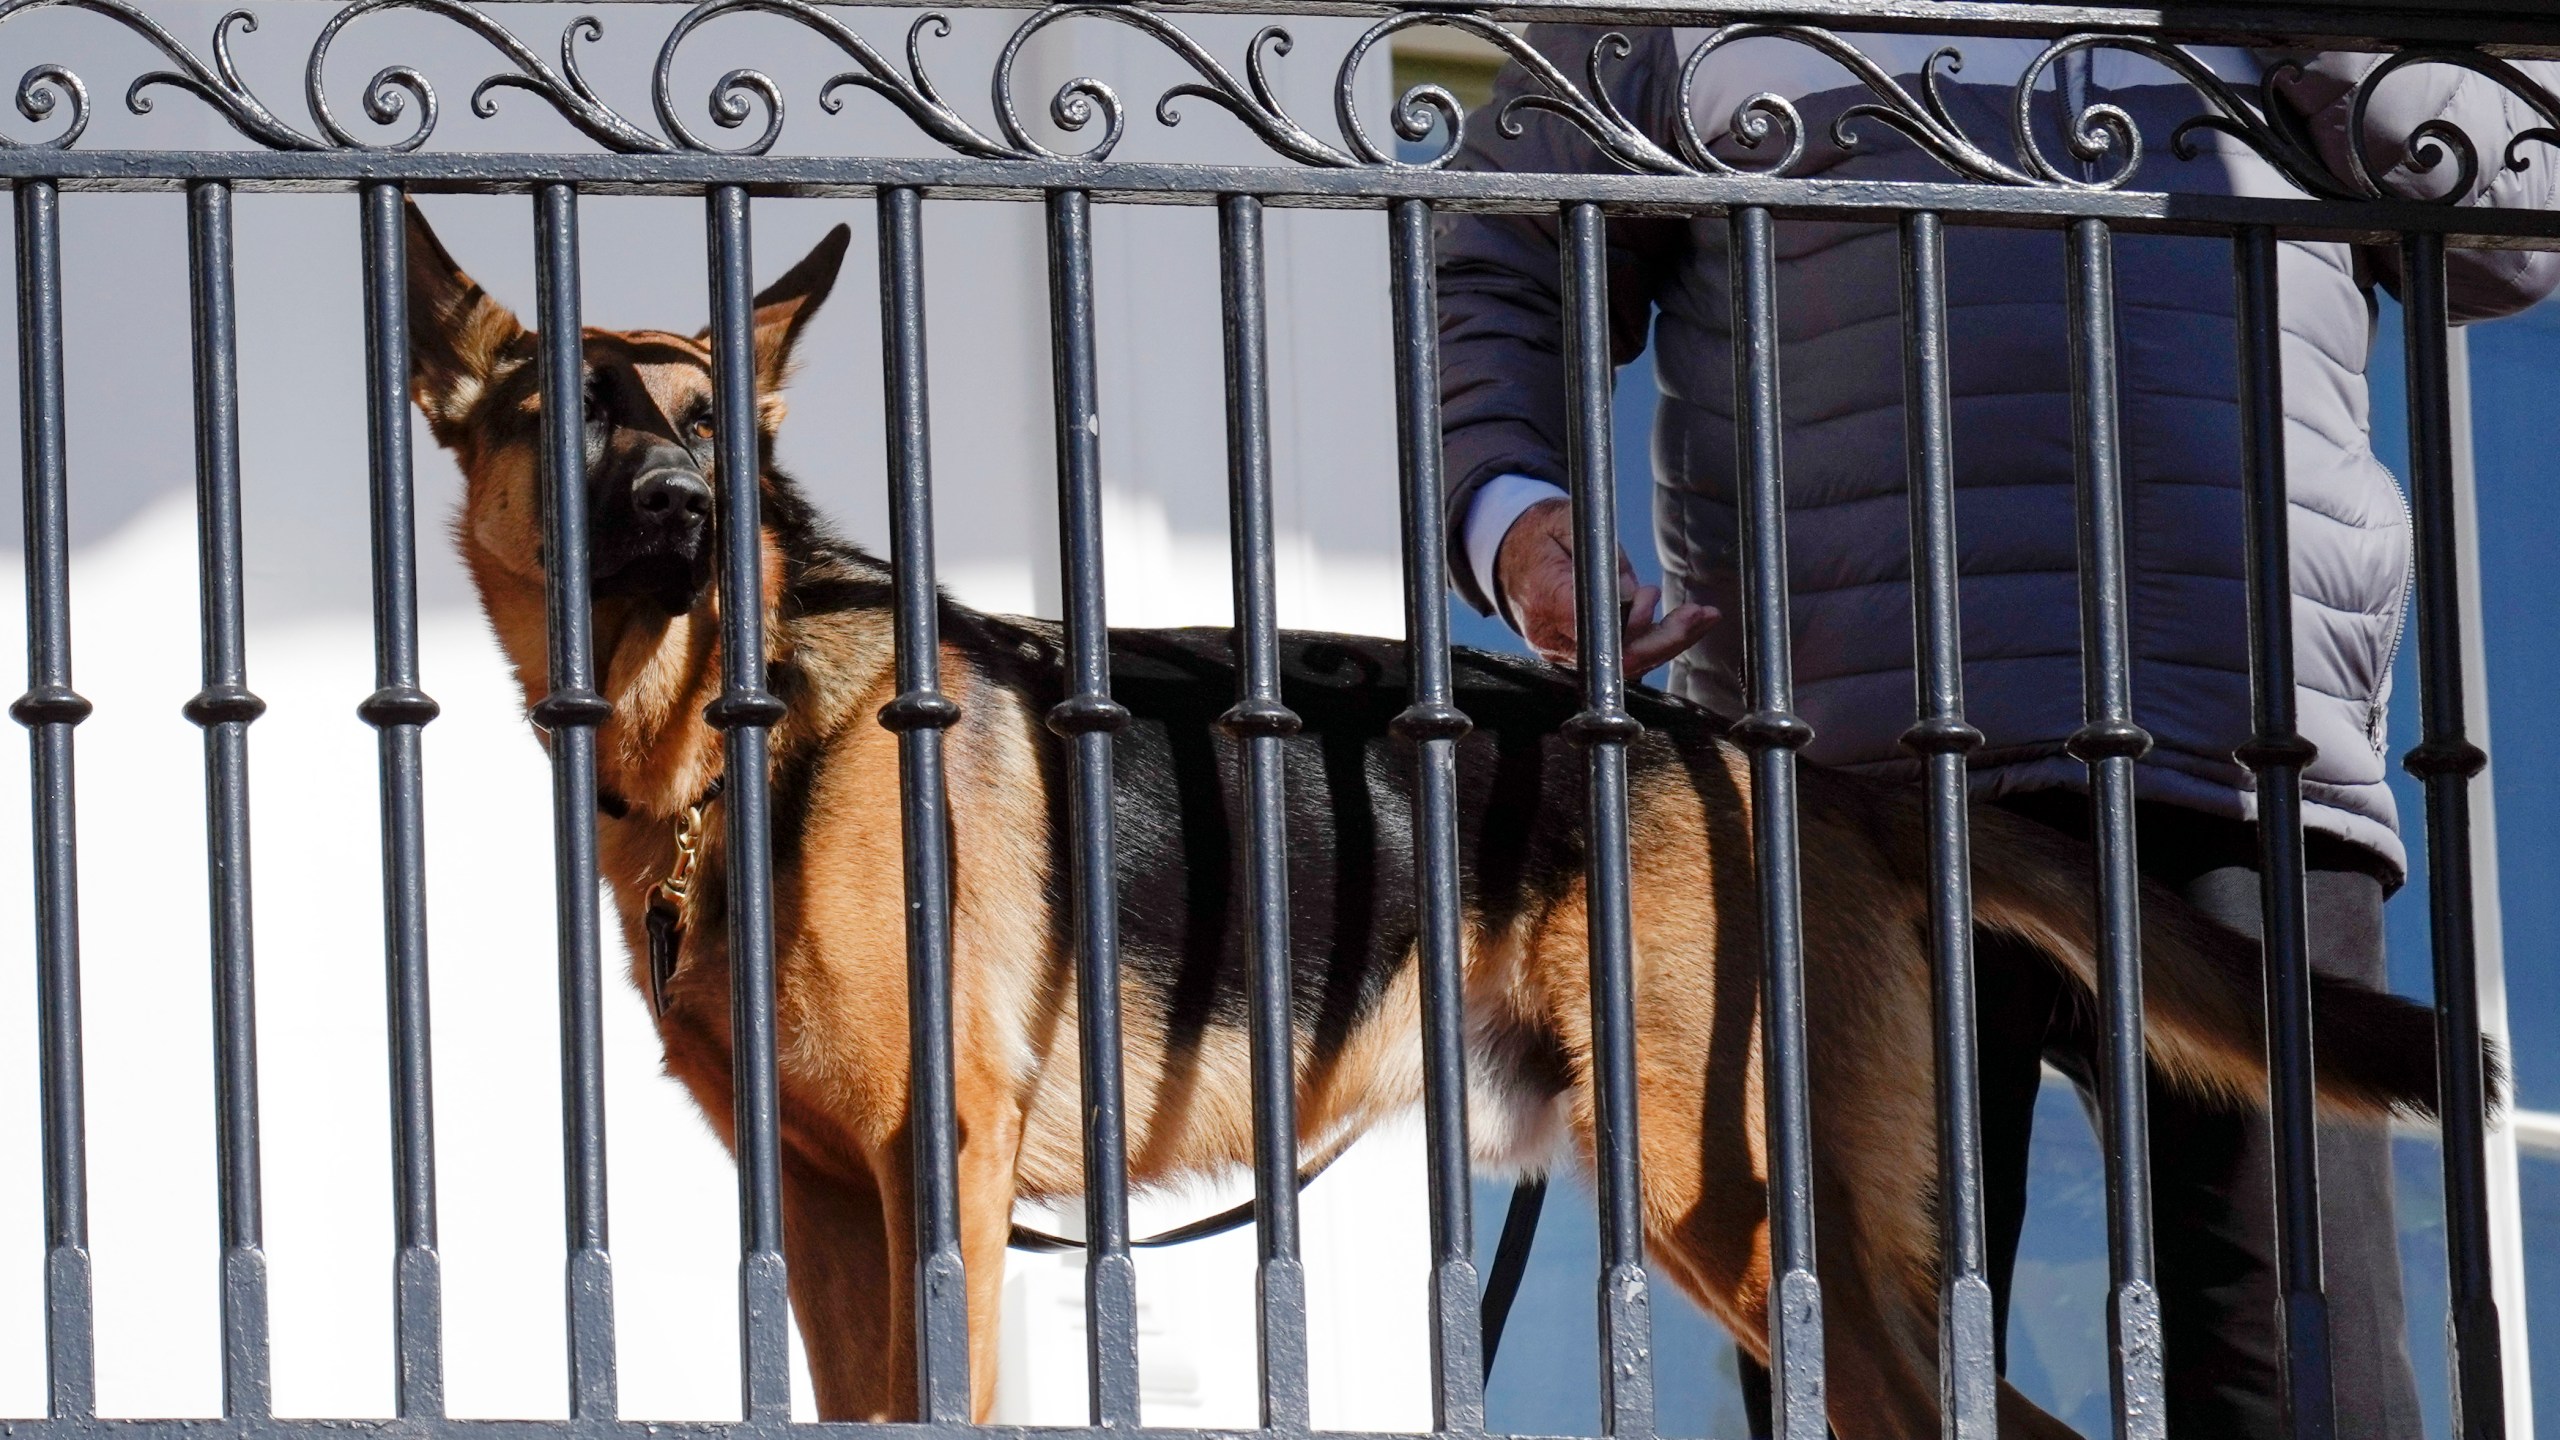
x=2106, y=148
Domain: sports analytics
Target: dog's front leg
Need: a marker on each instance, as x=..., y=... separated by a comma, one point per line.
x=844, y=1268
x=990, y=1149
x=990, y=1140
x=849, y=1232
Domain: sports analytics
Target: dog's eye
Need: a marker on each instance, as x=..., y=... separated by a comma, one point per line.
x=702, y=428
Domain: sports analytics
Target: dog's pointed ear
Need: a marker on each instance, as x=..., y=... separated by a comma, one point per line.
x=784, y=307
x=460, y=340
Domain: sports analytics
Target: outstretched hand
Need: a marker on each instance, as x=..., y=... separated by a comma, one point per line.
x=1534, y=569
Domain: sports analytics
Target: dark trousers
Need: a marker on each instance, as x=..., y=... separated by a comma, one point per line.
x=2211, y=1169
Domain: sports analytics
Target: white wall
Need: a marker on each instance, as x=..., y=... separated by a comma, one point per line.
x=315, y=822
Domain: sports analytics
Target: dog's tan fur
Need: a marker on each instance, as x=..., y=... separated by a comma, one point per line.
x=841, y=955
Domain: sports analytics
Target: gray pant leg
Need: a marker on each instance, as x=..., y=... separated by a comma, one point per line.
x=2218, y=1259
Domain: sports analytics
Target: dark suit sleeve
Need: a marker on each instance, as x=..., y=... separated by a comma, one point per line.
x=1502, y=382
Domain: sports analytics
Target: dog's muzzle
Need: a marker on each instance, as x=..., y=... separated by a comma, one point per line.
x=658, y=547
x=671, y=500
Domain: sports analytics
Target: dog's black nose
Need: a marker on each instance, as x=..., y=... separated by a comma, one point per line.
x=671, y=498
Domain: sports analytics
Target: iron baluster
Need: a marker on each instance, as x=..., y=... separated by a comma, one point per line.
x=571, y=712
x=1262, y=724
x=398, y=709
x=1772, y=732
x=1968, y=1381
x=747, y=712
x=1087, y=719
x=2109, y=743
x=2278, y=753
x=919, y=714
x=223, y=708
x=49, y=710
x=2445, y=760
x=1433, y=724
x=1604, y=728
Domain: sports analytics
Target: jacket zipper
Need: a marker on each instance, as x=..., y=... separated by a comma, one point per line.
x=2377, y=710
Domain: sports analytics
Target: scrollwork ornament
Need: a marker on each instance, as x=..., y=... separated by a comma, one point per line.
x=2266, y=126
x=912, y=92
x=2099, y=129
x=393, y=89
x=387, y=97
x=1756, y=121
x=731, y=109
x=217, y=84
x=1077, y=103
x=570, y=93
x=2427, y=146
x=1595, y=114
x=1418, y=110
x=1925, y=119
x=1083, y=103
x=1552, y=92
x=1073, y=108
x=2275, y=130
x=1766, y=136
x=2537, y=135
x=1258, y=106
x=1254, y=100
x=224, y=90
x=38, y=93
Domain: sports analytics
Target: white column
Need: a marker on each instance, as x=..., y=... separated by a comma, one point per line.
x=2506, y=1217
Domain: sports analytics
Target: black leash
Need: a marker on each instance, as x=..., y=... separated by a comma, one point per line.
x=1511, y=1260
x=1502, y=1286
x=1041, y=1242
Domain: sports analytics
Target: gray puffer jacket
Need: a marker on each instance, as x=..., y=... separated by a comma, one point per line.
x=1839, y=313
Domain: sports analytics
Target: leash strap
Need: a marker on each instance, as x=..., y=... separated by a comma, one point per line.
x=666, y=941
x=1041, y=1242
x=1511, y=1260
x=1502, y=1285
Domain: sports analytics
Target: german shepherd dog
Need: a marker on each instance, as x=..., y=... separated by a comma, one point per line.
x=840, y=922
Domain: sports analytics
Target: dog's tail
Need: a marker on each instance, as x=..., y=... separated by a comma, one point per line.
x=2203, y=984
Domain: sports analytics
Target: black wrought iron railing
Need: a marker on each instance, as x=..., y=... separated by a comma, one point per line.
x=2008, y=179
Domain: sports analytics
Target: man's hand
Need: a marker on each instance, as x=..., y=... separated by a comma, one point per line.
x=1534, y=569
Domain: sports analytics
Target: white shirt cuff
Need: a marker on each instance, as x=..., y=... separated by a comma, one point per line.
x=1497, y=506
